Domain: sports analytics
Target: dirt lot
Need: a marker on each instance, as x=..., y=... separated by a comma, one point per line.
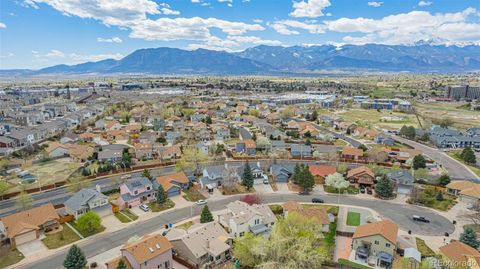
x=383, y=119
x=463, y=118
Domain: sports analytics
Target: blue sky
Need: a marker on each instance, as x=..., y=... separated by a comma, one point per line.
x=39, y=33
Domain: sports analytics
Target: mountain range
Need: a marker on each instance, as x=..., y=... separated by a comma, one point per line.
x=277, y=60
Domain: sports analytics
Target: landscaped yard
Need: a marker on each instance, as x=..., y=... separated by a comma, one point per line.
x=330, y=208
x=155, y=207
x=185, y=225
x=237, y=190
x=349, y=190
x=62, y=238
x=353, y=218
x=9, y=256
x=428, y=197
x=192, y=195
x=475, y=227
x=425, y=250
x=86, y=233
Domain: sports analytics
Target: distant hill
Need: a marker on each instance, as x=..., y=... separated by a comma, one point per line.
x=271, y=60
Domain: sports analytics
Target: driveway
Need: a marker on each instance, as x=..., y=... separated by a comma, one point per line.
x=282, y=188
x=263, y=188
x=32, y=247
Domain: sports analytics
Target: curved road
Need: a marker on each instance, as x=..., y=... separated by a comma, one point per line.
x=455, y=168
x=400, y=214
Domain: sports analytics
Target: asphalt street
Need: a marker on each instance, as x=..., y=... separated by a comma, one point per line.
x=400, y=214
x=455, y=169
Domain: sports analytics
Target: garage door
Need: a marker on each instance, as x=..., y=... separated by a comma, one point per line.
x=25, y=237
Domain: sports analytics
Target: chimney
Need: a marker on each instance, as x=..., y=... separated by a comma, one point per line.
x=98, y=188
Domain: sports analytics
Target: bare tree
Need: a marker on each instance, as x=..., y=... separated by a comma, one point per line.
x=474, y=216
x=230, y=178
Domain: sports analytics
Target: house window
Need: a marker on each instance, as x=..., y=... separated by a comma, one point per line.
x=387, y=245
x=148, y=188
x=145, y=264
x=167, y=264
x=135, y=192
x=242, y=234
x=376, y=242
x=257, y=221
x=218, y=257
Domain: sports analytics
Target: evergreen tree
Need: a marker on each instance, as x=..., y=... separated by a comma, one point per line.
x=468, y=156
x=419, y=162
x=469, y=237
x=384, y=187
x=348, y=132
x=146, y=173
x=444, y=179
x=254, y=136
x=363, y=147
x=161, y=195
x=314, y=115
x=206, y=215
x=296, y=173
x=306, y=180
x=121, y=264
x=247, y=177
x=75, y=258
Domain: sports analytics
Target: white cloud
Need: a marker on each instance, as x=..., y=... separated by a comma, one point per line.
x=167, y=10
x=375, y=4
x=114, y=39
x=3, y=25
x=424, y=3
x=284, y=27
x=310, y=8
x=55, y=54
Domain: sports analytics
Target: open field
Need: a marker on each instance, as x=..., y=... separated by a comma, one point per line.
x=462, y=118
x=373, y=118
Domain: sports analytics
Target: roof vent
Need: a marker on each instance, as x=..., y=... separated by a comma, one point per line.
x=157, y=245
x=151, y=250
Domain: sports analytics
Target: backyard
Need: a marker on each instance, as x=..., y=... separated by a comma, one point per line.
x=62, y=238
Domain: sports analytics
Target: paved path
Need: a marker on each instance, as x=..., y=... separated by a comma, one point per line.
x=400, y=214
x=455, y=169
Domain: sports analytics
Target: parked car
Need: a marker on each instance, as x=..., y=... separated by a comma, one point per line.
x=144, y=207
x=369, y=190
x=303, y=193
x=265, y=181
x=362, y=190
x=200, y=202
x=317, y=200
x=421, y=219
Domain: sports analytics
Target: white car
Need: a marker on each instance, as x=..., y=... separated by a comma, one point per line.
x=144, y=207
x=200, y=202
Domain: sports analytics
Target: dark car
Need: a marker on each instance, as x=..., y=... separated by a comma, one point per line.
x=362, y=190
x=303, y=193
x=369, y=190
x=420, y=218
x=317, y=201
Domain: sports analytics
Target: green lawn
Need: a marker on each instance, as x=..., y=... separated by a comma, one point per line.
x=158, y=208
x=349, y=190
x=185, y=225
x=130, y=214
x=428, y=198
x=353, y=218
x=425, y=250
x=192, y=195
x=59, y=239
x=122, y=218
x=86, y=233
x=9, y=256
x=351, y=264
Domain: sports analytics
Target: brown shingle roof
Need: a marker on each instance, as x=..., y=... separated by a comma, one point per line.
x=359, y=171
x=460, y=185
x=166, y=180
x=352, y=151
x=322, y=170
x=141, y=250
x=385, y=228
x=29, y=219
x=457, y=251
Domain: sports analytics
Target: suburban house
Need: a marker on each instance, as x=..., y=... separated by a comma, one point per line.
x=143, y=150
x=57, y=150
x=301, y=150
x=377, y=241
x=362, y=176
x=212, y=176
x=242, y=218
x=88, y=200
x=149, y=252
x=350, y=153
x=384, y=140
x=201, y=244
x=460, y=253
x=172, y=183
x=320, y=172
x=467, y=191
x=257, y=172
x=402, y=181
x=26, y=226
x=282, y=172
x=135, y=191
x=318, y=214
x=80, y=153
x=248, y=147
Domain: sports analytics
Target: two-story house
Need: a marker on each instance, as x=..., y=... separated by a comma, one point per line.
x=88, y=200
x=149, y=252
x=135, y=191
x=242, y=218
x=173, y=183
